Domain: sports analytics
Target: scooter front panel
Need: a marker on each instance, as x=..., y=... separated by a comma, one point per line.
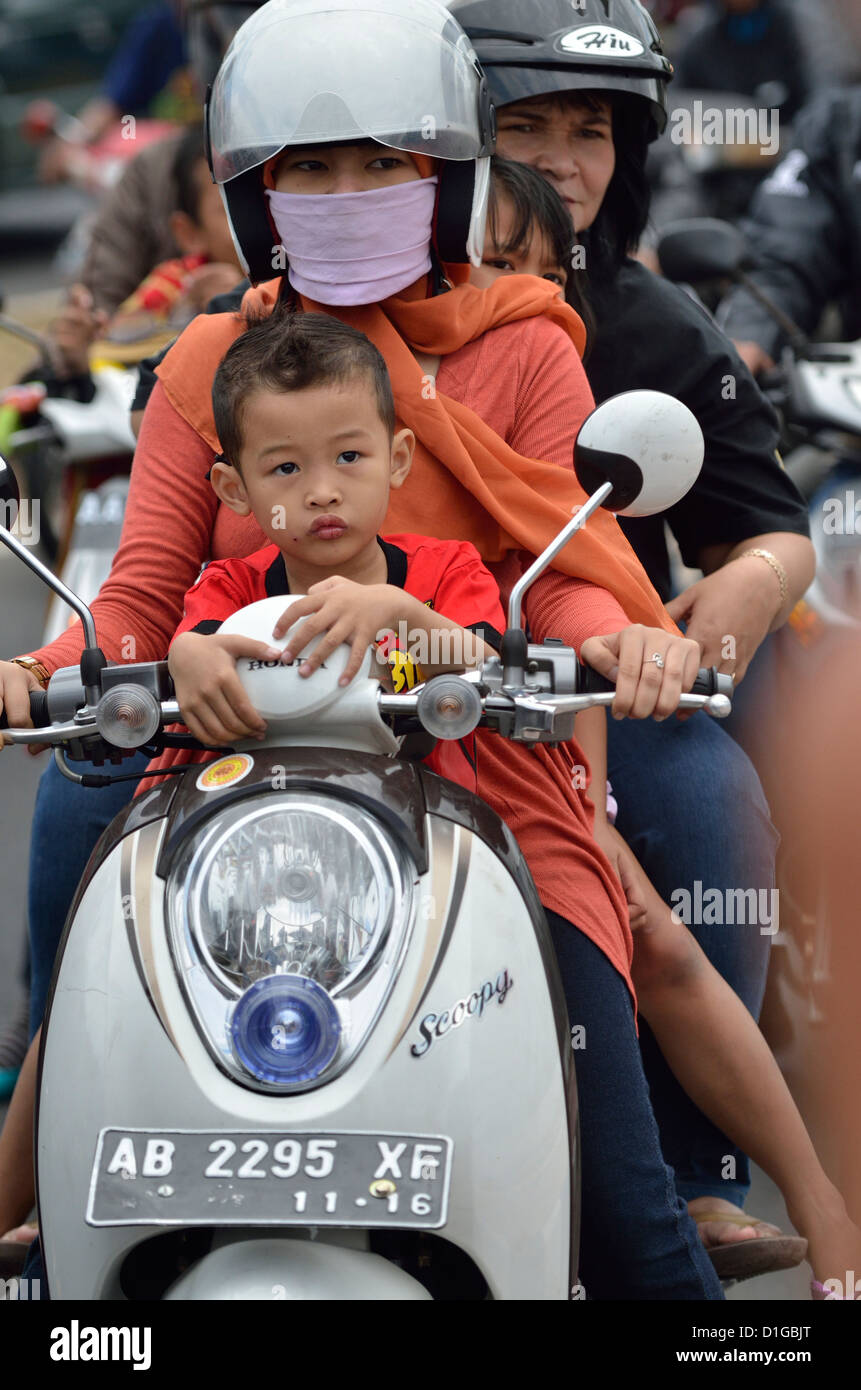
x=466, y=1050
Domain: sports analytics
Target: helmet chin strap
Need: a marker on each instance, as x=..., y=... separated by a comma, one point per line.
x=439, y=283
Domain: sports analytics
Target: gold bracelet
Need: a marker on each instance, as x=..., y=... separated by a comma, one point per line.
x=775, y=564
x=28, y=663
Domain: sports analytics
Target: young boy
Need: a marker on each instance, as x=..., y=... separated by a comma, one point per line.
x=306, y=420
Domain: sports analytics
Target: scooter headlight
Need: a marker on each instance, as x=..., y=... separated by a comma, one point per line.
x=301, y=893
x=285, y=1029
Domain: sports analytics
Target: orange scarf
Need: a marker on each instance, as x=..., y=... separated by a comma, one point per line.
x=466, y=483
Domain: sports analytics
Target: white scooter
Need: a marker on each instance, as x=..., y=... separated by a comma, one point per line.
x=306, y=1038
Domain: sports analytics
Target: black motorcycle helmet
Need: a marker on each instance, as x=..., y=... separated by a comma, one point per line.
x=531, y=47
x=611, y=48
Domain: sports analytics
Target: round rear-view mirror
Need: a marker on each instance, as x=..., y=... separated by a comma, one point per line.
x=647, y=444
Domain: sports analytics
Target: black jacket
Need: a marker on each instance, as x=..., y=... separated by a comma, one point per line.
x=652, y=334
x=804, y=228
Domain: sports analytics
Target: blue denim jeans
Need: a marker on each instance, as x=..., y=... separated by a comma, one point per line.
x=637, y=1239
x=691, y=807
x=67, y=822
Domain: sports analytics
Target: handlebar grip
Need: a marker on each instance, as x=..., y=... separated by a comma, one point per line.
x=38, y=710
x=709, y=681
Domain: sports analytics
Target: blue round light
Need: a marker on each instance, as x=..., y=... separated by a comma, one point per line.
x=285, y=1029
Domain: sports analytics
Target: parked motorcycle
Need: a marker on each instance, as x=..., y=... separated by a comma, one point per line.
x=306, y=1037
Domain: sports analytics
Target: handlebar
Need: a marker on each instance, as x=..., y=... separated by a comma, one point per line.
x=709, y=681
x=711, y=691
x=38, y=710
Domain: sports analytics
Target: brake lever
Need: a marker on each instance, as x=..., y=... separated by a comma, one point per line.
x=718, y=706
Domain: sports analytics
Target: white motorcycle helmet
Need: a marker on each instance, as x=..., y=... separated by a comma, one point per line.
x=304, y=72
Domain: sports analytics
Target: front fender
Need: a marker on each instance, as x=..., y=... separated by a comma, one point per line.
x=294, y=1270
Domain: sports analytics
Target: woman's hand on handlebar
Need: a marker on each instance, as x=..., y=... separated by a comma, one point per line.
x=644, y=687
x=15, y=686
x=214, y=705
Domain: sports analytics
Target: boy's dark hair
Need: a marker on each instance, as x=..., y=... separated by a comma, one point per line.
x=186, y=172
x=288, y=352
x=536, y=204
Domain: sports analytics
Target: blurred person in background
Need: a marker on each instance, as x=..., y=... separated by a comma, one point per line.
x=152, y=51
x=748, y=46
x=167, y=298
x=822, y=723
x=132, y=231
x=831, y=33
x=804, y=231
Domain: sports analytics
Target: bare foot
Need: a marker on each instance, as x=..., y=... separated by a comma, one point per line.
x=834, y=1249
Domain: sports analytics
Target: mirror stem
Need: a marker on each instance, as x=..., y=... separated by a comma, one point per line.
x=92, y=659
x=513, y=651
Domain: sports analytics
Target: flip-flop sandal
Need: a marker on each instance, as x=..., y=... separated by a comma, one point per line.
x=744, y=1259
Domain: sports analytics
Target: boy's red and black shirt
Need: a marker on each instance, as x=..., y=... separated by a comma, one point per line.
x=448, y=576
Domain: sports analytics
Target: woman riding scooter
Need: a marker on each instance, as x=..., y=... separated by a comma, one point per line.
x=580, y=101
x=455, y=382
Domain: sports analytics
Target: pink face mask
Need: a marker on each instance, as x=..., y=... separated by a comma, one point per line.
x=356, y=248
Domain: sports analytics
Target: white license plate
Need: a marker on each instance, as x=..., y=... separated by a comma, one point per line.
x=269, y=1178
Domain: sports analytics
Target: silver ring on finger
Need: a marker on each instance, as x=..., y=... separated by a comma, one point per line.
x=658, y=660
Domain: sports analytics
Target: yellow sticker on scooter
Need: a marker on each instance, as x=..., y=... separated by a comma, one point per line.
x=225, y=772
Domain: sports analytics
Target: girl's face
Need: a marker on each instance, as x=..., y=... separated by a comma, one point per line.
x=567, y=142
x=354, y=168
x=536, y=258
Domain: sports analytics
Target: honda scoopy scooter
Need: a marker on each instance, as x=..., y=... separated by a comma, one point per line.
x=306, y=1038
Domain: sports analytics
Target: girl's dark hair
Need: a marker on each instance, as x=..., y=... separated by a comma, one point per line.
x=186, y=174
x=534, y=203
x=536, y=206
x=287, y=352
